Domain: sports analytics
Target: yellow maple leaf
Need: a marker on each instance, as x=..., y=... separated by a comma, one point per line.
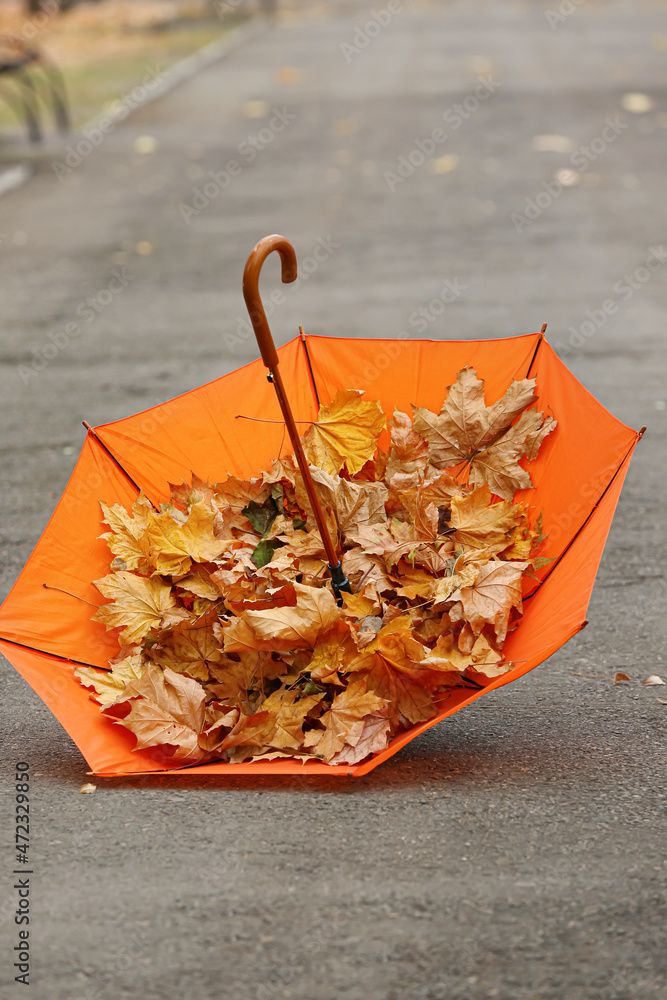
x=332, y=653
x=109, y=685
x=126, y=538
x=138, y=604
x=174, y=546
x=289, y=709
x=346, y=433
x=479, y=523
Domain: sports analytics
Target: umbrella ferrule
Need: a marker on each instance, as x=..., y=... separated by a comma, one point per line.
x=339, y=581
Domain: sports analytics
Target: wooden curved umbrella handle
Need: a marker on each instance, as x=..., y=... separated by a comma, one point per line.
x=251, y=294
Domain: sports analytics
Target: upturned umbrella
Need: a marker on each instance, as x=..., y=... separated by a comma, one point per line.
x=46, y=630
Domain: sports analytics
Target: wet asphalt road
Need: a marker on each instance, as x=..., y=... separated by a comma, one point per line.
x=518, y=849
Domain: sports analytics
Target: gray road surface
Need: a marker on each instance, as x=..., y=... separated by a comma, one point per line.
x=517, y=850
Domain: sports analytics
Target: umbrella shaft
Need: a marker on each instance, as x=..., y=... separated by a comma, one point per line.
x=302, y=462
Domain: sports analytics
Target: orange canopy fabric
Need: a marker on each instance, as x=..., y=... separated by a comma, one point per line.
x=45, y=632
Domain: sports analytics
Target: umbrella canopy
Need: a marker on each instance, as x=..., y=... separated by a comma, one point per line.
x=45, y=631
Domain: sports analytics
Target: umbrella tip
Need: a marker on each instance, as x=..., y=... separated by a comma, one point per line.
x=544, y=328
x=641, y=433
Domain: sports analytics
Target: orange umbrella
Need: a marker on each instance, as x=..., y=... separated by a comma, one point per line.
x=45, y=622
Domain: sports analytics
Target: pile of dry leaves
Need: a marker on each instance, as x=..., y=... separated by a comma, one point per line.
x=232, y=646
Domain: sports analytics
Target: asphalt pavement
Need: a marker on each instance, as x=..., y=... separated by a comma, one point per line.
x=517, y=850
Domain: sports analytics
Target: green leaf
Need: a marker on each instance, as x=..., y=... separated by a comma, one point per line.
x=542, y=561
x=299, y=523
x=261, y=516
x=278, y=494
x=263, y=553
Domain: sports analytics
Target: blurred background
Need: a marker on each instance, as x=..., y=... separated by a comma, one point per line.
x=448, y=169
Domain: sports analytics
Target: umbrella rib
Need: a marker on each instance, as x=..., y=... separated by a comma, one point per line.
x=537, y=347
x=56, y=656
x=113, y=458
x=310, y=367
x=593, y=509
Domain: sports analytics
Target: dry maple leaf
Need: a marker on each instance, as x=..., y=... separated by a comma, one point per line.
x=490, y=599
x=199, y=582
x=346, y=433
x=354, y=504
x=173, y=547
x=109, y=685
x=344, y=721
x=284, y=628
x=126, y=538
x=333, y=652
x=479, y=523
x=373, y=739
x=289, y=708
x=189, y=648
x=255, y=730
x=138, y=604
x=485, y=438
x=166, y=708
x=409, y=450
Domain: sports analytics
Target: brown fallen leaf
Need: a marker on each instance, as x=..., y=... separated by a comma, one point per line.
x=491, y=598
x=88, y=789
x=284, y=628
x=466, y=432
x=344, y=721
x=653, y=681
x=621, y=678
x=166, y=708
x=374, y=737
